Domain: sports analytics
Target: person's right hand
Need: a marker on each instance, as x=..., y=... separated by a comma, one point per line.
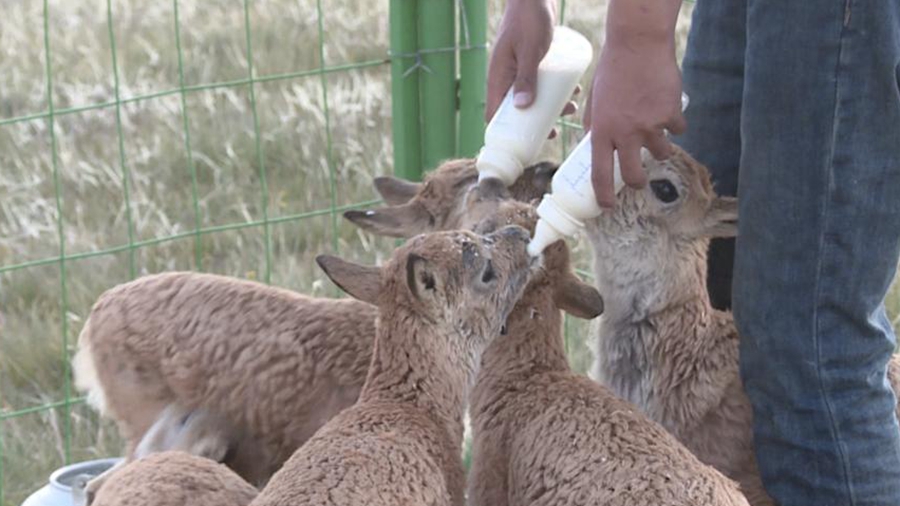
x=522, y=41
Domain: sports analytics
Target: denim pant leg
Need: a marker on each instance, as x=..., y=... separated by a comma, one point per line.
x=713, y=76
x=819, y=236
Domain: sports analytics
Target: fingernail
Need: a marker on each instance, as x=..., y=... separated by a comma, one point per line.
x=522, y=98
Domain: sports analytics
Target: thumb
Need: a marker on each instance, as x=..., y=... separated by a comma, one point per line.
x=525, y=85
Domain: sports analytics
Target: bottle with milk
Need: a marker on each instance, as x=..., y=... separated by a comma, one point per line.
x=572, y=197
x=514, y=136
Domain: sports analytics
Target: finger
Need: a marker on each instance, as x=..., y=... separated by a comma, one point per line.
x=630, y=164
x=602, y=170
x=501, y=74
x=659, y=145
x=570, y=109
x=677, y=125
x=525, y=84
x=588, y=106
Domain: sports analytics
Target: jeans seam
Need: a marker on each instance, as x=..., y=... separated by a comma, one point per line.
x=897, y=76
x=823, y=247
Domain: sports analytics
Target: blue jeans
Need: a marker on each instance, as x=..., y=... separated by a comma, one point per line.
x=804, y=98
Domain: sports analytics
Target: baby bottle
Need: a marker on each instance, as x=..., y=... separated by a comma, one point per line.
x=514, y=136
x=572, y=198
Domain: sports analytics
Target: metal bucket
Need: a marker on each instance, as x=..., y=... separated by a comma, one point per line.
x=66, y=480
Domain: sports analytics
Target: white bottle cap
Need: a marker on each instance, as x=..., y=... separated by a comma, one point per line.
x=498, y=163
x=553, y=225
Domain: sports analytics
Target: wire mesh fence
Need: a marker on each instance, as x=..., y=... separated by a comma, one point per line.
x=224, y=136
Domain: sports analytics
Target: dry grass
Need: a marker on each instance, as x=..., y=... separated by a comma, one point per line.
x=228, y=185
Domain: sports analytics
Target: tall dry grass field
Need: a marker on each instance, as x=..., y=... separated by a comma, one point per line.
x=95, y=165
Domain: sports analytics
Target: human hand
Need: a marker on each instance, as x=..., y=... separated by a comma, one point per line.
x=635, y=96
x=523, y=39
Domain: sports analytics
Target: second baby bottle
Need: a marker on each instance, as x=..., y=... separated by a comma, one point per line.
x=572, y=197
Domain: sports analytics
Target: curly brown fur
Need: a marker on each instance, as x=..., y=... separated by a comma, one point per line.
x=545, y=435
x=442, y=298
x=270, y=366
x=174, y=479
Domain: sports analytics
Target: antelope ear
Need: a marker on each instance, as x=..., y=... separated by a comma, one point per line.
x=491, y=189
x=405, y=220
x=722, y=218
x=422, y=280
x=396, y=191
x=361, y=282
x=543, y=175
x=534, y=183
x=578, y=298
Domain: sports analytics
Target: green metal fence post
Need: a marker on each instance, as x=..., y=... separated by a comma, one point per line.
x=405, y=89
x=472, y=75
x=437, y=80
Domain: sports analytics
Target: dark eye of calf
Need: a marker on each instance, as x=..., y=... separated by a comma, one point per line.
x=664, y=190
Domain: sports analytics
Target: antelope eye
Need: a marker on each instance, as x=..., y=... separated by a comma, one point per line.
x=664, y=190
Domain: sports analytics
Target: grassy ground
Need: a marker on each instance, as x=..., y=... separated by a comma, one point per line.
x=228, y=186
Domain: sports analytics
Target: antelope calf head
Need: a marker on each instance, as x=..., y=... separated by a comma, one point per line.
x=441, y=201
x=555, y=273
x=459, y=281
x=651, y=249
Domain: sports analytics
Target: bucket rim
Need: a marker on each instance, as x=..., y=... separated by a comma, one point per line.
x=76, y=468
